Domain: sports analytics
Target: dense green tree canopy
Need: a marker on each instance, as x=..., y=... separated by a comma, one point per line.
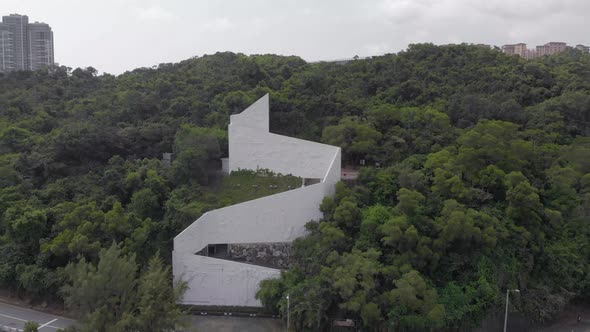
x=477, y=178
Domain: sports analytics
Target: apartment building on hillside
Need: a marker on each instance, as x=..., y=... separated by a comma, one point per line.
x=24, y=45
x=522, y=51
x=40, y=46
x=551, y=48
x=6, y=49
x=514, y=49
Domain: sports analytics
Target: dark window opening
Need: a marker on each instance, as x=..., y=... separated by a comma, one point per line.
x=218, y=250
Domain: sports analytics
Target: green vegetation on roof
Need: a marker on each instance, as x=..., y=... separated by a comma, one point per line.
x=245, y=185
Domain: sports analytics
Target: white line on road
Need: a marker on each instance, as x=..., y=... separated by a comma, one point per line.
x=51, y=321
x=31, y=310
x=22, y=320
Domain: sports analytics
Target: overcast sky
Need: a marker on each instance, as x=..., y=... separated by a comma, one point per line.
x=118, y=35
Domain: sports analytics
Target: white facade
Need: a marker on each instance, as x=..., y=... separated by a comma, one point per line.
x=276, y=218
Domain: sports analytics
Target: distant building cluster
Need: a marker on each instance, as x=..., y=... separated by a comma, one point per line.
x=24, y=45
x=521, y=49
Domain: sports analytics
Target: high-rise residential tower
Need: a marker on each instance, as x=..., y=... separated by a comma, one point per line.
x=40, y=46
x=19, y=34
x=6, y=49
x=24, y=46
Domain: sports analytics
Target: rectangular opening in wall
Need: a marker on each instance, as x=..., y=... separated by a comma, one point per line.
x=219, y=250
x=310, y=181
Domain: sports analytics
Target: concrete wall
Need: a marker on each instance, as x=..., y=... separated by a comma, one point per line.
x=220, y=282
x=251, y=146
x=275, y=218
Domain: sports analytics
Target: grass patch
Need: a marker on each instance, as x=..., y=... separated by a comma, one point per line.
x=245, y=185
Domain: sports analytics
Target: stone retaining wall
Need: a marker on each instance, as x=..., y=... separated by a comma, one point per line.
x=276, y=255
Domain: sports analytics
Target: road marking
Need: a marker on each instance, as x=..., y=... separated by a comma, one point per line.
x=51, y=321
x=19, y=319
x=24, y=320
x=2, y=303
x=10, y=328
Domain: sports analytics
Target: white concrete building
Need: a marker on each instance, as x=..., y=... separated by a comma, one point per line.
x=271, y=219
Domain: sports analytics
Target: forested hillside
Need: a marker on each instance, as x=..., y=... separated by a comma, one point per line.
x=478, y=180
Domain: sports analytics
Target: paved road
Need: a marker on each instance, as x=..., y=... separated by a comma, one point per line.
x=16, y=317
x=583, y=326
x=13, y=317
x=236, y=324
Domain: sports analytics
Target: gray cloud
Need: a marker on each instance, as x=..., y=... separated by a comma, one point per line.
x=119, y=35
